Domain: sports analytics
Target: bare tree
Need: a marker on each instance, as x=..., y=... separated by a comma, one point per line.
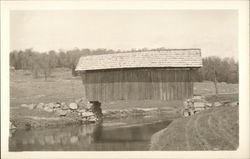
x=211, y=69
x=45, y=65
x=214, y=69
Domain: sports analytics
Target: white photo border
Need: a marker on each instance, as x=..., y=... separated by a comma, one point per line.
x=243, y=55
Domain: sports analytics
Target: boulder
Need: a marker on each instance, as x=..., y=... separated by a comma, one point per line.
x=73, y=106
x=209, y=104
x=82, y=103
x=84, y=120
x=188, y=103
x=199, y=104
x=64, y=106
x=58, y=102
x=48, y=109
x=31, y=106
x=198, y=97
x=89, y=105
x=40, y=106
x=57, y=105
x=24, y=105
x=51, y=105
x=217, y=104
x=62, y=112
x=56, y=109
x=92, y=119
x=81, y=110
x=87, y=114
x=105, y=112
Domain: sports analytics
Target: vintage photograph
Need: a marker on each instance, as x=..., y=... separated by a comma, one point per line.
x=124, y=80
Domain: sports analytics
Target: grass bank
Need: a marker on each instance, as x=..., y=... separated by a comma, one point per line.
x=213, y=129
x=24, y=89
x=61, y=86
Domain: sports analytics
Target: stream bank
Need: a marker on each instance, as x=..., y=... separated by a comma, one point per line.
x=213, y=129
x=24, y=118
x=125, y=134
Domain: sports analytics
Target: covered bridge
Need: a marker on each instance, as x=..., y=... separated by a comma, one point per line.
x=156, y=75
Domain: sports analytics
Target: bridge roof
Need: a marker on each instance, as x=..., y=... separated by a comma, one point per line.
x=168, y=58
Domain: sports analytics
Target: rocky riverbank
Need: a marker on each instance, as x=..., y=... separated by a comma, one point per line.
x=55, y=114
x=60, y=113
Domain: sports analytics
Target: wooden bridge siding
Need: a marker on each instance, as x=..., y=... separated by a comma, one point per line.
x=138, y=84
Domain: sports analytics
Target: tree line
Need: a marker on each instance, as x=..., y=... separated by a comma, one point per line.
x=214, y=68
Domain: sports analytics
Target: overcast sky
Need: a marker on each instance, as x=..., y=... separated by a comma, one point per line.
x=214, y=31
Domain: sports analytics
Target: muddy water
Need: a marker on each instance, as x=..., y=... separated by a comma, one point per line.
x=108, y=136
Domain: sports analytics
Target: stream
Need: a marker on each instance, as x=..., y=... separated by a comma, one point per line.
x=113, y=135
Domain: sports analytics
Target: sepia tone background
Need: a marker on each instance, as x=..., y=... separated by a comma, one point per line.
x=24, y=40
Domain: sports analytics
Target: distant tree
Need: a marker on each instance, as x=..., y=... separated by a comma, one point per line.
x=144, y=49
x=45, y=65
x=159, y=49
x=73, y=71
x=211, y=69
x=35, y=65
x=198, y=76
x=73, y=57
x=14, y=59
x=53, y=59
x=229, y=72
x=62, y=59
x=214, y=68
x=226, y=69
x=23, y=63
x=85, y=52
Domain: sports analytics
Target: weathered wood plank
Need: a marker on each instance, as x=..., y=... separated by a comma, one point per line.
x=138, y=84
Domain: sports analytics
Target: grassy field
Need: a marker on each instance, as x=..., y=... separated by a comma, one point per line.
x=63, y=87
x=214, y=129
x=207, y=88
x=24, y=89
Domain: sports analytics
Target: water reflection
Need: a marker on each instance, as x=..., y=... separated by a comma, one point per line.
x=94, y=137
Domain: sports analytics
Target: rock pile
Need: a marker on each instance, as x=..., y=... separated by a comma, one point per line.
x=88, y=111
x=195, y=105
x=198, y=103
